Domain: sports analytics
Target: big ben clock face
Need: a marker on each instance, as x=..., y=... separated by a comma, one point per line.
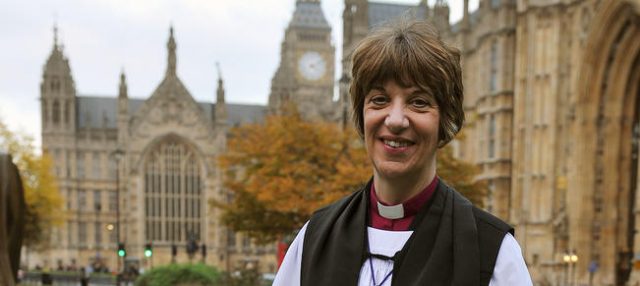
x=312, y=66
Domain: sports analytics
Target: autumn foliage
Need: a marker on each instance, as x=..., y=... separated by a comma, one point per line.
x=280, y=171
x=42, y=197
x=461, y=176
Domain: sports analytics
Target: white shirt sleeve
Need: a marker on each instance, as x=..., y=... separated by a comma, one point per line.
x=510, y=269
x=289, y=272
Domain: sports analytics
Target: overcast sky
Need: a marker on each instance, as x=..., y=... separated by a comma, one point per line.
x=103, y=37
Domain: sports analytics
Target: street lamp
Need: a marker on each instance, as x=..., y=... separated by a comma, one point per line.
x=98, y=209
x=570, y=259
x=574, y=261
x=117, y=155
x=567, y=260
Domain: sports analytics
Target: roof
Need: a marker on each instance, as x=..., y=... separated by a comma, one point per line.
x=379, y=13
x=308, y=14
x=102, y=112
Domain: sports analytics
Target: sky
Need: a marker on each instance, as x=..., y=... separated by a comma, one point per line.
x=102, y=38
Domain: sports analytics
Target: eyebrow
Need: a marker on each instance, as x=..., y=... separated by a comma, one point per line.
x=423, y=92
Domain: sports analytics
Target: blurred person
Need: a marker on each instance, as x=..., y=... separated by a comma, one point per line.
x=406, y=226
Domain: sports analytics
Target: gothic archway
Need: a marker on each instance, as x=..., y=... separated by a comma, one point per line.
x=173, y=192
x=604, y=185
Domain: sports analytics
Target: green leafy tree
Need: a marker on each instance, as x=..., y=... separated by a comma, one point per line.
x=41, y=192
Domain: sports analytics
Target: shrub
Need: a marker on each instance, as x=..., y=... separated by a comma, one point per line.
x=180, y=274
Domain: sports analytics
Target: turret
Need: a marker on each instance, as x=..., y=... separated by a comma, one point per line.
x=57, y=92
x=356, y=22
x=466, y=24
x=171, y=55
x=221, y=107
x=423, y=7
x=441, y=16
x=355, y=18
x=123, y=109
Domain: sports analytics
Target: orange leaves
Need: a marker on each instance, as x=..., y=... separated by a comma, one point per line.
x=42, y=197
x=281, y=171
x=461, y=176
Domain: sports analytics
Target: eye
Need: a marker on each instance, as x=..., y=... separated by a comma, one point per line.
x=379, y=99
x=420, y=103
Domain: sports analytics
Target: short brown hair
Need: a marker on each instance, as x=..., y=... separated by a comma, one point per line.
x=411, y=53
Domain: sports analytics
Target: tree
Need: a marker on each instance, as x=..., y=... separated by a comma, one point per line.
x=42, y=196
x=281, y=171
x=461, y=176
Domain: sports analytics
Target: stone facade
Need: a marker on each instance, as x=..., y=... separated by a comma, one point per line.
x=551, y=98
x=154, y=160
x=306, y=71
x=551, y=87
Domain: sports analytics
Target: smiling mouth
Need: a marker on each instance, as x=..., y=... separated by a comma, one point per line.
x=397, y=143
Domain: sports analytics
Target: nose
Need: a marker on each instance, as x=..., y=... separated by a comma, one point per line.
x=396, y=120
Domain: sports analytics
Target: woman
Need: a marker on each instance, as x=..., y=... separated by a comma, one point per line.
x=406, y=226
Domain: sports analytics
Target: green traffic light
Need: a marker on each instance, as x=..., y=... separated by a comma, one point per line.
x=122, y=251
x=148, y=250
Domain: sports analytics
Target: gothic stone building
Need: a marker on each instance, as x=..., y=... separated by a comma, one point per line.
x=552, y=93
x=551, y=97
x=305, y=74
x=154, y=160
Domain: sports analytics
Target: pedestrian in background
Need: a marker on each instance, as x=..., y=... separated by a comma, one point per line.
x=406, y=226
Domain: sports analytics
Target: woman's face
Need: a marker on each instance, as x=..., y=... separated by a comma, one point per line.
x=401, y=130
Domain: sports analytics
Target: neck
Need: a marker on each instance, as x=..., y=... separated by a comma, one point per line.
x=397, y=190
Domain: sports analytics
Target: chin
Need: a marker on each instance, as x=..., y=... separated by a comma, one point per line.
x=391, y=170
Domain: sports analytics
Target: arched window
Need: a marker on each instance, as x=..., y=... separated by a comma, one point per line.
x=45, y=113
x=493, y=73
x=492, y=137
x=67, y=109
x=173, y=194
x=56, y=112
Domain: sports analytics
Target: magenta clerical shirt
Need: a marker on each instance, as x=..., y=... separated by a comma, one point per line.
x=411, y=208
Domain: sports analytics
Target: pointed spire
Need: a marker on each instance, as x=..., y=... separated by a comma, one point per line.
x=56, y=71
x=441, y=16
x=220, y=91
x=123, y=99
x=123, y=86
x=171, y=47
x=55, y=36
x=221, y=109
x=465, y=16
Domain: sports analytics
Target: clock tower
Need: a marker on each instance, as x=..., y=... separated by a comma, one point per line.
x=305, y=76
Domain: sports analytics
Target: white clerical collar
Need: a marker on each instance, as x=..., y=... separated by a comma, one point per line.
x=391, y=212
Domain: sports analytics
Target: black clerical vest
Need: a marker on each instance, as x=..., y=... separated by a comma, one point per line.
x=453, y=243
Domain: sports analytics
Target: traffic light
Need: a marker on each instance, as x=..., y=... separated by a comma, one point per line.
x=148, y=250
x=122, y=252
